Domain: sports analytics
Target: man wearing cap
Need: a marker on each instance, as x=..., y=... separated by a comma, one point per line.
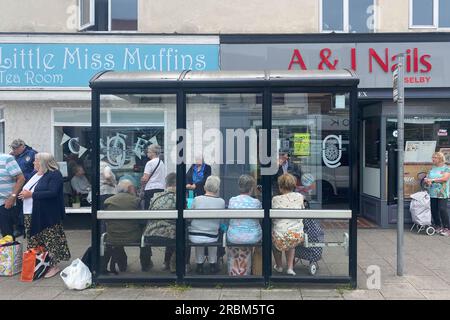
x=24, y=156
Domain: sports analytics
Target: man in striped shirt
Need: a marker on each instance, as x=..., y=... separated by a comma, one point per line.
x=11, y=182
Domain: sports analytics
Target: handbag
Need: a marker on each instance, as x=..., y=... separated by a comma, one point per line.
x=35, y=263
x=10, y=259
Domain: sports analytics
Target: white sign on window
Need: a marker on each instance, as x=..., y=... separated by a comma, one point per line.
x=419, y=151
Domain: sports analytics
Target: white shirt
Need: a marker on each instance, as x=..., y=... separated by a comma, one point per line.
x=30, y=185
x=158, y=178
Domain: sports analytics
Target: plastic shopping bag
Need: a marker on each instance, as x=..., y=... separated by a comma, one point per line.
x=77, y=276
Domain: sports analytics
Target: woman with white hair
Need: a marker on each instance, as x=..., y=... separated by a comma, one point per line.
x=197, y=175
x=47, y=211
x=154, y=176
x=203, y=231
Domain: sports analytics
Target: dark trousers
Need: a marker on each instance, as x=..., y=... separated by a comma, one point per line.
x=149, y=195
x=7, y=219
x=439, y=212
x=18, y=222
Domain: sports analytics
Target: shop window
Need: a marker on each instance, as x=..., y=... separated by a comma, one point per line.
x=347, y=16
x=108, y=15
x=372, y=142
x=423, y=136
x=124, y=137
x=429, y=13
x=123, y=15
x=86, y=13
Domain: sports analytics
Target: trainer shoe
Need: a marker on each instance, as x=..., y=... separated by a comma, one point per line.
x=277, y=268
x=445, y=232
x=291, y=272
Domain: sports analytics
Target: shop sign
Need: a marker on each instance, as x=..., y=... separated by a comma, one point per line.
x=442, y=133
x=425, y=63
x=42, y=65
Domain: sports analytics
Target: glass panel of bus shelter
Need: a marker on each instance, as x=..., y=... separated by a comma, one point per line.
x=223, y=173
x=138, y=176
x=312, y=145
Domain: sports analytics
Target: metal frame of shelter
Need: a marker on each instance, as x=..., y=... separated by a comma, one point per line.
x=265, y=83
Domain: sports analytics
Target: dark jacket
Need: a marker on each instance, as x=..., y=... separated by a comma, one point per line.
x=200, y=186
x=293, y=169
x=25, y=161
x=123, y=231
x=48, y=202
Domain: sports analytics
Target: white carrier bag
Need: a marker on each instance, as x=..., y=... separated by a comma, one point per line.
x=77, y=275
x=420, y=208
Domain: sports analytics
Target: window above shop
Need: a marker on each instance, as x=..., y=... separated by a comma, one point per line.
x=87, y=14
x=429, y=14
x=108, y=15
x=350, y=16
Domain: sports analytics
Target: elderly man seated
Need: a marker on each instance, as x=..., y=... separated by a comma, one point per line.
x=121, y=232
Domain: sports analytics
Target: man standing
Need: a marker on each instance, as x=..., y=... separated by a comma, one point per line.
x=11, y=181
x=285, y=165
x=24, y=156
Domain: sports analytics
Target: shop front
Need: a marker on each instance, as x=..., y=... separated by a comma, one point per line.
x=45, y=97
x=373, y=58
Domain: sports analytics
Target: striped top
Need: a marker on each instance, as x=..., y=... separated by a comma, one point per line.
x=8, y=170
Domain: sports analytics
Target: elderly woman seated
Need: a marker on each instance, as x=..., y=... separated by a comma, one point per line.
x=204, y=231
x=121, y=232
x=243, y=231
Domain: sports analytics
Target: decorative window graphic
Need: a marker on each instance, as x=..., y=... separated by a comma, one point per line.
x=332, y=151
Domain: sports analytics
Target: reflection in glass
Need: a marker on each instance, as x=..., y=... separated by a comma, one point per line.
x=222, y=143
x=138, y=174
x=422, y=13
x=332, y=15
x=361, y=15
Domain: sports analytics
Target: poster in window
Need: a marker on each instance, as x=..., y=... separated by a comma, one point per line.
x=419, y=151
x=302, y=143
x=446, y=152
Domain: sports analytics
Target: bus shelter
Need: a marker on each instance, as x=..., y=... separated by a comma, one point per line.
x=241, y=131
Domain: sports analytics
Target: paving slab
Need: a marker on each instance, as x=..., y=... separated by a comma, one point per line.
x=400, y=290
x=36, y=293
x=436, y=294
x=11, y=291
x=281, y=294
x=119, y=294
x=201, y=294
x=240, y=294
x=362, y=295
x=319, y=293
x=428, y=282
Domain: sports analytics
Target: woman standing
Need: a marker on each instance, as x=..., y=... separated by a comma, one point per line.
x=197, y=175
x=286, y=233
x=48, y=212
x=154, y=174
x=438, y=187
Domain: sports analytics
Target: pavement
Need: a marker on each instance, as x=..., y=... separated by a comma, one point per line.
x=426, y=275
